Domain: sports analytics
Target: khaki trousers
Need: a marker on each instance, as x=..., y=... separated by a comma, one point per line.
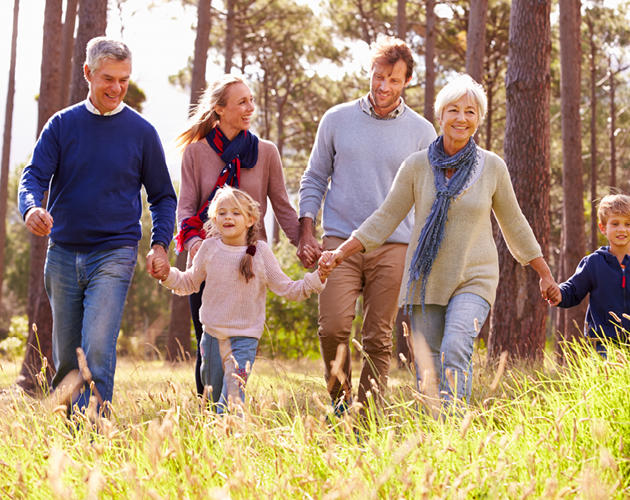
x=378, y=275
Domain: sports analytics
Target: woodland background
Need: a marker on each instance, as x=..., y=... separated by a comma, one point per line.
x=555, y=73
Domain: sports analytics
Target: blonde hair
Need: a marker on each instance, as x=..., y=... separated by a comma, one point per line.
x=613, y=204
x=250, y=208
x=205, y=116
x=458, y=88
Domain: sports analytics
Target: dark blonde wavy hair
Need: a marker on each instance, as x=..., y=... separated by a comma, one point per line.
x=613, y=204
x=250, y=208
x=205, y=117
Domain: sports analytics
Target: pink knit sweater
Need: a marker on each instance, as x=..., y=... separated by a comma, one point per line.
x=230, y=307
x=201, y=168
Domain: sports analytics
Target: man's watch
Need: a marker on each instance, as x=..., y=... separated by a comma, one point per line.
x=162, y=244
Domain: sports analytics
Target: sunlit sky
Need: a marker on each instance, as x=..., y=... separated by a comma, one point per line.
x=161, y=40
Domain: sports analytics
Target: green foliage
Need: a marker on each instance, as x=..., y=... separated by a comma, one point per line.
x=147, y=302
x=291, y=326
x=135, y=97
x=363, y=20
x=14, y=345
x=17, y=252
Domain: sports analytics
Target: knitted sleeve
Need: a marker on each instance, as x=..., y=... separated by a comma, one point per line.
x=189, y=196
x=277, y=193
x=516, y=230
x=280, y=284
x=189, y=281
x=36, y=175
x=314, y=183
x=382, y=223
x=159, y=188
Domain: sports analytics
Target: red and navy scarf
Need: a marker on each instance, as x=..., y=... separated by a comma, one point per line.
x=241, y=152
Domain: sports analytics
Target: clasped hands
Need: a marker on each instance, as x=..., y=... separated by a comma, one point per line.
x=550, y=291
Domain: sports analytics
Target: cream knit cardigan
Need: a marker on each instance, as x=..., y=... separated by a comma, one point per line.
x=468, y=260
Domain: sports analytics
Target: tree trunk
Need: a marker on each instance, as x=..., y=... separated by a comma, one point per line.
x=6, y=143
x=476, y=39
x=519, y=314
x=613, y=126
x=574, y=245
x=92, y=23
x=476, y=42
x=229, y=35
x=39, y=344
x=593, y=70
x=429, y=60
x=178, y=340
x=489, y=117
x=202, y=44
x=66, y=51
x=401, y=20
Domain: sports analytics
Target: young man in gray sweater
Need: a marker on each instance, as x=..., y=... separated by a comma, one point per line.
x=358, y=149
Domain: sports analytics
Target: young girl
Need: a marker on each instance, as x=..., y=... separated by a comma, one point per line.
x=237, y=270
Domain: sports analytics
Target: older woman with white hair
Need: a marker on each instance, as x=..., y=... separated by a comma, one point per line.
x=452, y=261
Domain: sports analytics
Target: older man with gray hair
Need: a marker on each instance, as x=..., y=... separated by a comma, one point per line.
x=94, y=157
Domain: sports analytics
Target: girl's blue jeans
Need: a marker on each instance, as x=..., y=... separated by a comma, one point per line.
x=225, y=366
x=449, y=334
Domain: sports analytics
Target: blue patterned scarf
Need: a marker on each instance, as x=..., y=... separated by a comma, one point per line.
x=240, y=152
x=463, y=162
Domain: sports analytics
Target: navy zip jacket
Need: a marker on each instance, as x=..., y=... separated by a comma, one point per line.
x=601, y=276
x=95, y=167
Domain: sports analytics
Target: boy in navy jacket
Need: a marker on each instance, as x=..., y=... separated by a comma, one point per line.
x=603, y=275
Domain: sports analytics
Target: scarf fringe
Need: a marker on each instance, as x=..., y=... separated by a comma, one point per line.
x=432, y=234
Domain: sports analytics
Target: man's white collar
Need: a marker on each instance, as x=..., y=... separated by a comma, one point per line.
x=92, y=109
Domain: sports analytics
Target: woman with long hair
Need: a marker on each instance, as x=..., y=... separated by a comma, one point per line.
x=219, y=150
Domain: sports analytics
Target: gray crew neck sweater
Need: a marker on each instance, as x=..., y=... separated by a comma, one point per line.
x=354, y=162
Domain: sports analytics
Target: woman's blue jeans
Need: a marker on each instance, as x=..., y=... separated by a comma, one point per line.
x=87, y=293
x=449, y=334
x=224, y=367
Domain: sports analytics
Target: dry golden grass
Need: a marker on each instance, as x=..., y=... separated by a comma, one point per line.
x=545, y=433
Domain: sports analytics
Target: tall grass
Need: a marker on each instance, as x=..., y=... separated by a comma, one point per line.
x=549, y=432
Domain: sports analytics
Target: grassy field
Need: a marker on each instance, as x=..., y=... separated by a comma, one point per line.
x=533, y=433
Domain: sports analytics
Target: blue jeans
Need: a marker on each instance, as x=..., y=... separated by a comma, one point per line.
x=87, y=293
x=449, y=333
x=220, y=360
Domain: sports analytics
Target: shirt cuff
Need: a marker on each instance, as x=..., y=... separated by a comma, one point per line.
x=170, y=279
x=311, y=215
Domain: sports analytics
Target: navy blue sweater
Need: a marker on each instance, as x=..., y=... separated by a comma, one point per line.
x=95, y=167
x=601, y=276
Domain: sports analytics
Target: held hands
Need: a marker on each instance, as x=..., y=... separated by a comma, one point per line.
x=38, y=221
x=324, y=270
x=158, y=253
x=550, y=291
x=329, y=260
x=161, y=268
x=309, y=249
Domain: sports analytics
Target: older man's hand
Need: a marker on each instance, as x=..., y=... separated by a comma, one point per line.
x=38, y=221
x=157, y=251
